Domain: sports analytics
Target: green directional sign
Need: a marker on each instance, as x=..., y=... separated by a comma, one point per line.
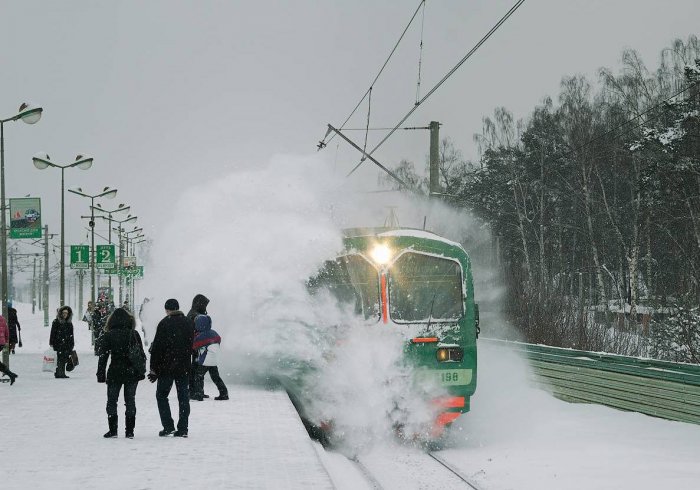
x=105, y=258
x=135, y=272
x=79, y=256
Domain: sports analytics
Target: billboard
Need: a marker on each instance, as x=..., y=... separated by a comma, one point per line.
x=25, y=217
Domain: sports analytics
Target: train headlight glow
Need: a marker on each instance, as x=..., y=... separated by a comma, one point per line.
x=446, y=354
x=381, y=254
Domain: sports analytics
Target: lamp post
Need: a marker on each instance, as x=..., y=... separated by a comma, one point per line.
x=119, y=230
x=119, y=209
x=42, y=161
x=130, y=237
x=29, y=115
x=131, y=241
x=109, y=194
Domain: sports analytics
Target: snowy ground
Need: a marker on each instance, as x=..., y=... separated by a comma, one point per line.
x=52, y=437
x=516, y=437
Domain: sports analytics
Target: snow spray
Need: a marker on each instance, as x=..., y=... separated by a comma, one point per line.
x=249, y=241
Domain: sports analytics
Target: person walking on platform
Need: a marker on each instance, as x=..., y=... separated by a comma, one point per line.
x=88, y=316
x=206, y=347
x=13, y=323
x=61, y=339
x=119, y=335
x=4, y=338
x=171, y=354
x=99, y=317
x=199, y=307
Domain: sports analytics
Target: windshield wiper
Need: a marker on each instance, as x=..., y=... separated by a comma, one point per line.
x=430, y=315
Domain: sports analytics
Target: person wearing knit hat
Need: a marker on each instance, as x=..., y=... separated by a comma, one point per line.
x=206, y=347
x=116, y=342
x=199, y=307
x=171, y=362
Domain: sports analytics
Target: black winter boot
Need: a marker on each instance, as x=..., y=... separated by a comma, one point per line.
x=112, y=420
x=12, y=376
x=130, y=424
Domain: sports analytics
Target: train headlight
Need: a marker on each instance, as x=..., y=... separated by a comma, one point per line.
x=447, y=354
x=381, y=254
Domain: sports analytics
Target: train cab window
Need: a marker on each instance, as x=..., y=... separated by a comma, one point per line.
x=334, y=278
x=365, y=281
x=423, y=287
x=351, y=280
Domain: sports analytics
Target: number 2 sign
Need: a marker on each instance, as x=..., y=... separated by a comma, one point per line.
x=105, y=257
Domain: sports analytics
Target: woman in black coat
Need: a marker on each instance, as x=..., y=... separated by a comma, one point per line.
x=119, y=332
x=61, y=339
x=13, y=323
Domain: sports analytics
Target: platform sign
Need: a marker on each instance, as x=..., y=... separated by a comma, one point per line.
x=105, y=258
x=79, y=256
x=135, y=272
x=25, y=217
x=111, y=272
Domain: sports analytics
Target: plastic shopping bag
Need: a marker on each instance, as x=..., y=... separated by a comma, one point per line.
x=49, y=364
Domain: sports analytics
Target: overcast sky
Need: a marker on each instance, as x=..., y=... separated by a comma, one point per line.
x=165, y=92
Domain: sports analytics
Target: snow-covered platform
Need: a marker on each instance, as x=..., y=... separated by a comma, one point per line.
x=52, y=437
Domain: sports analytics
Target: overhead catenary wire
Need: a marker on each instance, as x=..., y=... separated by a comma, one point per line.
x=369, y=110
x=420, y=53
x=323, y=142
x=386, y=129
x=444, y=79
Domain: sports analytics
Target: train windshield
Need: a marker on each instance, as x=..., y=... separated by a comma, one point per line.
x=352, y=280
x=423, y=287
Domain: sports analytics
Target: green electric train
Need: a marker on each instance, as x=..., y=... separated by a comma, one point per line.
x=420, y=283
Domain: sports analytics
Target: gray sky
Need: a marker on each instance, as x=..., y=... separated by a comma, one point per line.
x=165, y=92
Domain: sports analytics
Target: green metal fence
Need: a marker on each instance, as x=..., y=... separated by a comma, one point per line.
x=659, y=388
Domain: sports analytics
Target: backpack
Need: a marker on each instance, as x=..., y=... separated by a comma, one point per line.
x=136, y=355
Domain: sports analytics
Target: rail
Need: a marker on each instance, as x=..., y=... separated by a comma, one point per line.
x=662, y=389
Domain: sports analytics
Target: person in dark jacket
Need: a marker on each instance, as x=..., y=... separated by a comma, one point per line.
x=171, y=362
x=99, y=317
x=119, y=333
x=61, y=339
x=13, y=323
x=199, y=307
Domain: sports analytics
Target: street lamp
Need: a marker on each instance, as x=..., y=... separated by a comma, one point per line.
x=128, y=219
x=119, y=209
x=109, y=194
x=29, y=115
x=131, y=240
x=42, y=161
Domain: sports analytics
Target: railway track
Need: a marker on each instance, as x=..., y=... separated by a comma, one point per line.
x=454, y=471
x=410, y=469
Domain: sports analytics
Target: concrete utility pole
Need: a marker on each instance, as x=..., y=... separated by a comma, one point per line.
x=46, y=276
x=435, y=158
x=81, y=274
x=11, y=285
x=34, y=287
x=39, y=287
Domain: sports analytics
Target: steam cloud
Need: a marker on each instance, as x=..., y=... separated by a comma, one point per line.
x=249, y=241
